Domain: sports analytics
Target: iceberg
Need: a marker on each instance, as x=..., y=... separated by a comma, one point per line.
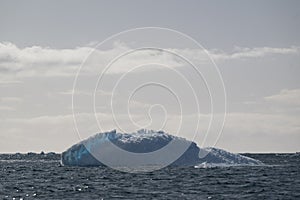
x=85, y=152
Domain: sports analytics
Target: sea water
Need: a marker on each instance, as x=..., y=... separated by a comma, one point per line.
x=36, y=176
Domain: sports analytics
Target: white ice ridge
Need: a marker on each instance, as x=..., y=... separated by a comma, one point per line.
x=144, y=141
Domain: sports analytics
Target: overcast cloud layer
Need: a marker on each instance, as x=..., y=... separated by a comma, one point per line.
x=261, y=123
x=255, y=44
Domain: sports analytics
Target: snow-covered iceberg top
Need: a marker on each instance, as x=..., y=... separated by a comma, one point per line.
x=144, y=141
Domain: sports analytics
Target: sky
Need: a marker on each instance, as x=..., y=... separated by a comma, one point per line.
x=254, y=44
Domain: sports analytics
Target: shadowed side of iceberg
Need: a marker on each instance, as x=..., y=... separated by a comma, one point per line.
x=86, y=152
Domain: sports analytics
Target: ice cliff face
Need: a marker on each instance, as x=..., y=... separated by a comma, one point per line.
x=144, y=141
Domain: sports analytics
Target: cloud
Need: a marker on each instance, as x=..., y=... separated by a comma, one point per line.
x=258, y=52
x=8, y=103
x=38, y=60
x=45, y=61
x=6, y=108
x=5, y=83
x=286, y=97
x=88, y=93
x=9, y=100
x=200, y=56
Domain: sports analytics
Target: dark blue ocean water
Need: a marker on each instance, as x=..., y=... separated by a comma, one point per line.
x=41, y=177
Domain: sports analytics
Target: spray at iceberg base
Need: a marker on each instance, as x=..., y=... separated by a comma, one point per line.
x=98, y=150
